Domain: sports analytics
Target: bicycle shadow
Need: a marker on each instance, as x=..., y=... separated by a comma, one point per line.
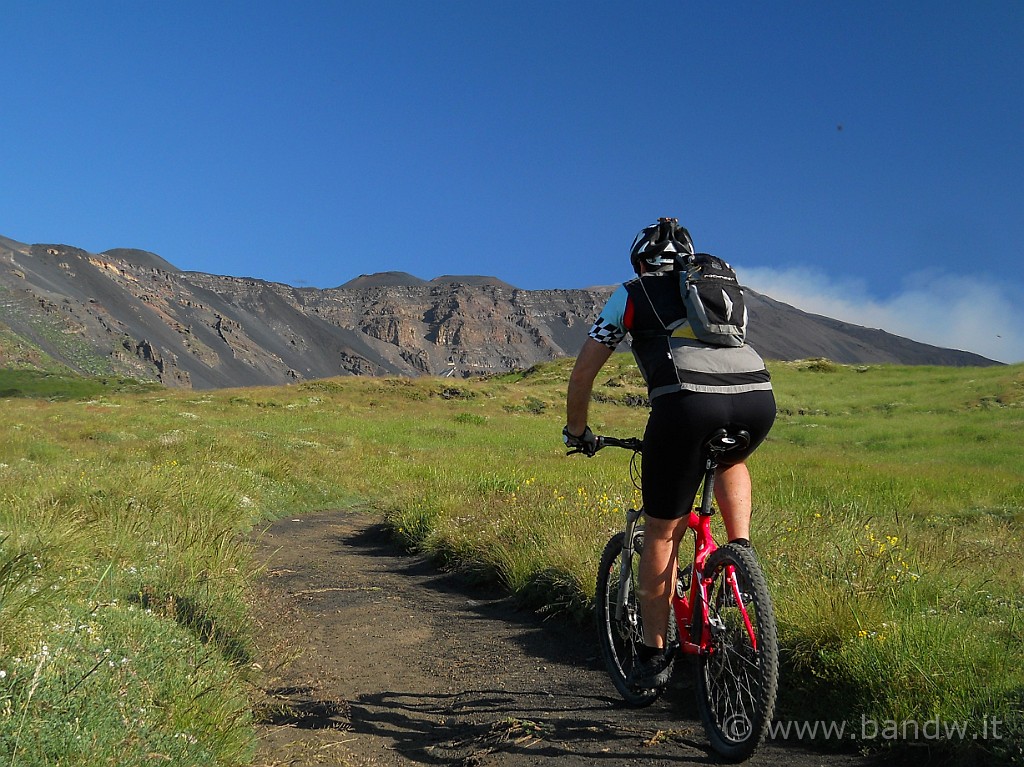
x=464, y=728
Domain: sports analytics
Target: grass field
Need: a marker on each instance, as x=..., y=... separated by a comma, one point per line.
x=888, y=511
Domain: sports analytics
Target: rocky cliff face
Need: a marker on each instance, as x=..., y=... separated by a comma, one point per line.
x=129, y=312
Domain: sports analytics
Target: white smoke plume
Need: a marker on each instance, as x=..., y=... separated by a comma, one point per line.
x=954, y=312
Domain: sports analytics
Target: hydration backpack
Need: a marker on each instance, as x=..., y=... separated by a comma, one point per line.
x=713, y=297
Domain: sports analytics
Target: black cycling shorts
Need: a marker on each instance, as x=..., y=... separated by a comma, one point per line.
x=677, y=429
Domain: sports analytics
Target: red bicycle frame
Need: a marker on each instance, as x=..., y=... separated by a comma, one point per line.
x=683, y=606
x=690, y=609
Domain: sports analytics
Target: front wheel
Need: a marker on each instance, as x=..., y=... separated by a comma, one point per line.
x=620, y=637
x=738, y=677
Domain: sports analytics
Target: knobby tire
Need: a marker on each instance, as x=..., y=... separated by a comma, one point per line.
x=736, y=684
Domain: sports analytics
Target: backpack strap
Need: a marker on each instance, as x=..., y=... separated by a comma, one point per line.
x=666, y=328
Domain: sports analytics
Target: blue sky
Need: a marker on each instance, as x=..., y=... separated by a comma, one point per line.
x=862, y=160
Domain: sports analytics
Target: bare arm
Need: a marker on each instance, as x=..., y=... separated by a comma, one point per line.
x=592, y=357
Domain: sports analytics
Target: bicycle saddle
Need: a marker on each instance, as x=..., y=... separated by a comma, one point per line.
x=723, y=440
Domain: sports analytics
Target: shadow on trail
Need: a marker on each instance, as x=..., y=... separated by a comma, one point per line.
x=556, y=639
x=296, y=706
x=442, y=729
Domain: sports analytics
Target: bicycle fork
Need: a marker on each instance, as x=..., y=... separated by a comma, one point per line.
x=626, y=562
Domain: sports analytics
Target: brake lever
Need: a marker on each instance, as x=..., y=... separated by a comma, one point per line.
x=581, y=450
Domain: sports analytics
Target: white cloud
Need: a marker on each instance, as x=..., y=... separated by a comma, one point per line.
x=955, y=312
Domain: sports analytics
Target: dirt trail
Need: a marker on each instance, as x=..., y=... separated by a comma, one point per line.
x=382, y=660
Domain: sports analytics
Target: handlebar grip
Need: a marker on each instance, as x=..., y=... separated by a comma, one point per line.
x=630, y=443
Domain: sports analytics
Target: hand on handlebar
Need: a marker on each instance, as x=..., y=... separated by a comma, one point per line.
x=585, y=443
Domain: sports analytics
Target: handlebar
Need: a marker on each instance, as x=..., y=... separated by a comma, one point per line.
x=716, y=444
x=630, y=443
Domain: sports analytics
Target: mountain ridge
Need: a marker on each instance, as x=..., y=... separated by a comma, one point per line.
x=131, y=312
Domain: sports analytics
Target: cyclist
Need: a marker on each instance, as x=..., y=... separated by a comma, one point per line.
x=694, y=388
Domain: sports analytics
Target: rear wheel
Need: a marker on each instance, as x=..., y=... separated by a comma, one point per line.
x=620, y=637
x=738, y=678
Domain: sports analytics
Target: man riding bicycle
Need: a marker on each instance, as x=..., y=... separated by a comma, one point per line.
x=694, y=388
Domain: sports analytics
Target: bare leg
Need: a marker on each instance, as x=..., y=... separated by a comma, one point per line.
x=732, y=492
x=658, y=576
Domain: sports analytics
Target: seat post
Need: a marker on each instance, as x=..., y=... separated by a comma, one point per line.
x=707, y=493
x=718, y=442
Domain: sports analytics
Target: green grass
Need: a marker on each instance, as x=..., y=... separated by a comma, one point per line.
x=62, y=386
x=888, y=511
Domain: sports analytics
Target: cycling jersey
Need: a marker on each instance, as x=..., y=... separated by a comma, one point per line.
x=650, y=309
